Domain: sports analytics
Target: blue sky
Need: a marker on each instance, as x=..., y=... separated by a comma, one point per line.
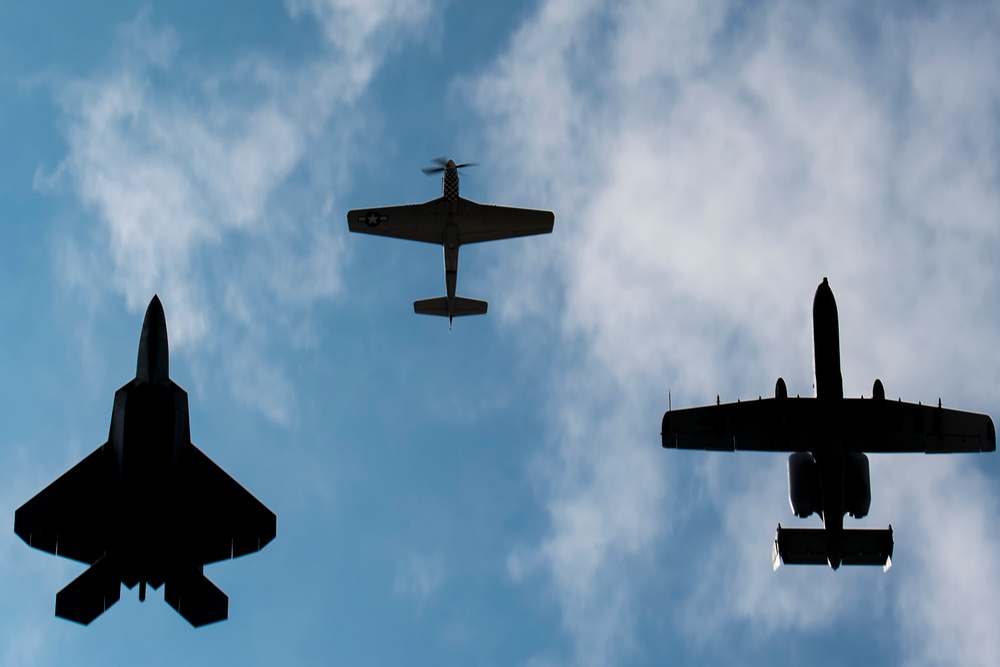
x=497, y=494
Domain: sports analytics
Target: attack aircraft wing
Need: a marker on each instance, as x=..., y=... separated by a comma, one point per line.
x=476, y=223
x=872, y=425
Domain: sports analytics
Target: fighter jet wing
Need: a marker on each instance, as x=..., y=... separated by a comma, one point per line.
x=68, y=517
x=793, y=424
x=426, y=222
x=224, y=519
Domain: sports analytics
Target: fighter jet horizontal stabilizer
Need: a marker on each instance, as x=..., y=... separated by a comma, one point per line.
x=89, y=595
x=439, y=306
x=808, y=546
x=197, y=599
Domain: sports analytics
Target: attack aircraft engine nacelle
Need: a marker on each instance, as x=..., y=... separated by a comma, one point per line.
x=857, y=474
x=804, y=490
x=857, y=485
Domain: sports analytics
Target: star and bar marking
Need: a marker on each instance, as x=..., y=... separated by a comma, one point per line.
x=372, y=218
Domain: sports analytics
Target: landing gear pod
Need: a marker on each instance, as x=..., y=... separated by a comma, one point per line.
x=780, y=390
x=878, y=391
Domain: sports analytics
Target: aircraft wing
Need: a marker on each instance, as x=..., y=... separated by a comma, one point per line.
x=486, y=222
x=749, y=425
x=414, y=222
x=910, y=427
x=426, y=222
x=224, y=520
x=69, y=517
x=794, y=424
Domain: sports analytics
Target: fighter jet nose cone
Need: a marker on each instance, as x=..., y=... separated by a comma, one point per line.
x=154, y=311
x=153, y=364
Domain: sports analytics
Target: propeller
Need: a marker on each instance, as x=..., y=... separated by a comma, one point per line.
x=443, y=164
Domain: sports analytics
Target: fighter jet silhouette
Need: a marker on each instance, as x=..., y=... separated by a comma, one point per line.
x=450, y=221
x=147, y=507
x=828, y=435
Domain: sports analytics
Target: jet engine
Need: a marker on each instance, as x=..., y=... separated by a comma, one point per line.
x=804, y=490
x=857, y=485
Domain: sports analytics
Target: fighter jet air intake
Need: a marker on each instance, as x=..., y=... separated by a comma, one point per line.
x=450, y=221
x=146, y=507
x=828, y=437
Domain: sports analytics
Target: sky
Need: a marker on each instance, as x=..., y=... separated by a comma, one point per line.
x=497, y=494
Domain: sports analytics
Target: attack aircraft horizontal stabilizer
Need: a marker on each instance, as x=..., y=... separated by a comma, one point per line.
x=808, y=546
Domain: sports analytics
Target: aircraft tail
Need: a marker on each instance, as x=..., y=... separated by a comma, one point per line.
x=196, y=598
x=439, y=306
x=807, y=546
x=89, y=595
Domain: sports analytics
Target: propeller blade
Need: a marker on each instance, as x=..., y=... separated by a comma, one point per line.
x=443, y=161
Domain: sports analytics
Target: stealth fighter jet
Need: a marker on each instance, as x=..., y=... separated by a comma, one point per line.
x=147, y=507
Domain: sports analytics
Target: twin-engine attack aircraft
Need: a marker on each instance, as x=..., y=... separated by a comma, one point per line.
x=147, y=507
x=828, y=471
x=450, y=221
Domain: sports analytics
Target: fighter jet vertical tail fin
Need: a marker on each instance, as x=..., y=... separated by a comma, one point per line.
x=89, y=595
x=196, y=598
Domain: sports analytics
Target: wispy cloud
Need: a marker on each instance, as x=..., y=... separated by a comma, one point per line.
x=419, y=576
x=192, y=184
x=710, y=163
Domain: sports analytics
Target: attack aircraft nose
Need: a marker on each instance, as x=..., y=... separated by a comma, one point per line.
x=153, y=364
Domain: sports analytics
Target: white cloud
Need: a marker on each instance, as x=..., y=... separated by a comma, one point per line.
x=708, y=164
x=419, y=576
x=190, y=179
